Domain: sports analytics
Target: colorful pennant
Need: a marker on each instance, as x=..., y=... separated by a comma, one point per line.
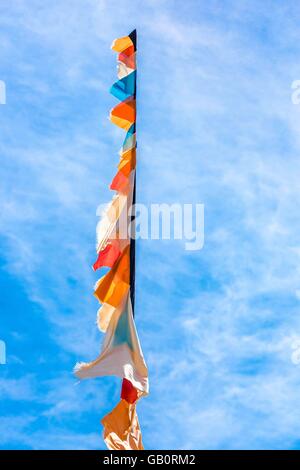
x=121, y=353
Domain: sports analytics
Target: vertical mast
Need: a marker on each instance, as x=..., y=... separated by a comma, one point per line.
x=133, y=37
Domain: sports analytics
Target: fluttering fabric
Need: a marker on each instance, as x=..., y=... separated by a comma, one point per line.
x=122, y=429
x=129, y=392
x=121, y=354
x=107, y=256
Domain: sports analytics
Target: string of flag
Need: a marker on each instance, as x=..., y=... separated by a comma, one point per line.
x=121, y=354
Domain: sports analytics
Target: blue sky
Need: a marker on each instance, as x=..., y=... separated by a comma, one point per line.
x=216, y=126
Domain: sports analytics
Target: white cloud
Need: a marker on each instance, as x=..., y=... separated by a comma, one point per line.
x=217, y=126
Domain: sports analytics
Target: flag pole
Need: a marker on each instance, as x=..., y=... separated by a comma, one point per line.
x=133, y=37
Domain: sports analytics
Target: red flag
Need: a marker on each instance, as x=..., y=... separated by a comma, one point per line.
x=107, y=257
x=119, y=182
x=128, y=392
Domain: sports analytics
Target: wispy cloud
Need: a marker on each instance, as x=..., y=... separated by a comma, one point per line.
x=216, y=126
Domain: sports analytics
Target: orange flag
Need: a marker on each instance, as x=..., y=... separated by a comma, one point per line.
x=121, y=428
x=124, y=114
x=128, y=162
x=113, y=287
